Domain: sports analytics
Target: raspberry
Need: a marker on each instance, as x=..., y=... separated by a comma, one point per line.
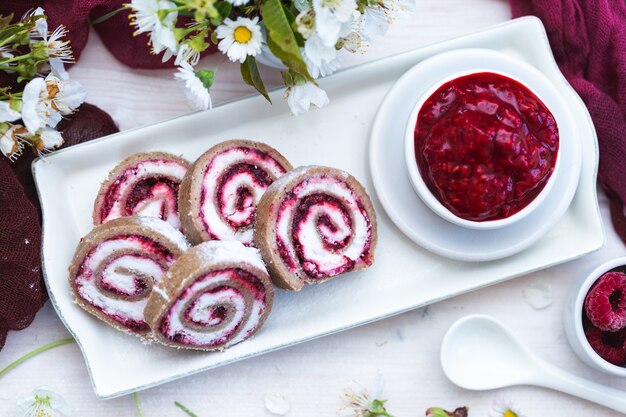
x=611, y=346
x=605, y=303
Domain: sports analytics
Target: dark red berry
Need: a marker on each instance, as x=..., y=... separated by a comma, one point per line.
x=611, y=346
x=605, y=303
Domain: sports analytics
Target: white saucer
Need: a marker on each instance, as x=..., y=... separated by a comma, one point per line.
x=406, y=209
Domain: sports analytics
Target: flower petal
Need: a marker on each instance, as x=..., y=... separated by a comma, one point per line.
x=7, y=114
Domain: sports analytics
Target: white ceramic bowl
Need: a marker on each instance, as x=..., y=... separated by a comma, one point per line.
x=537, y=83
x=573, y=319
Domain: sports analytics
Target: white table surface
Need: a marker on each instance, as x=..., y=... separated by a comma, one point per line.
x=312, y=376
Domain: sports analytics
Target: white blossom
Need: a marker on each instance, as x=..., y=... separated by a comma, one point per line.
x=301, y=97
x=43, y=402
x=44, y=102
x=333, y=19
x=7, y=114
x=11, y=145
x=146, y=20
x=360, y=403
x=187, y=54
x=321, y=60
x=376, y=19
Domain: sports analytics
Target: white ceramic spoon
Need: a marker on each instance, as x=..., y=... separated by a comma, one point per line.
x=479, y=353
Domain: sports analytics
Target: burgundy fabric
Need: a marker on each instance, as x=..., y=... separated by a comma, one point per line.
x=22, y=292
x=588, y=38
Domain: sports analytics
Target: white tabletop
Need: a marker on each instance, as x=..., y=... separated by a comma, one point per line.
x=312, y=376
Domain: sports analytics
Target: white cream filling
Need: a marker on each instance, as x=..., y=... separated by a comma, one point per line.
x=165, y=229
x=116, y=273
x=309, y=235
x=202, y=310
x=210, y=212
x=146, y=169
x=86, y=281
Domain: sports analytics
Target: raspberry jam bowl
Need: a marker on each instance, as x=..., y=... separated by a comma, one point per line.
x=595, y=318
x=482, y=147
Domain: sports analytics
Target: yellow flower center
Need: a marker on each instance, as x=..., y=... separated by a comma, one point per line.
x=509, y=413
x=242, y=34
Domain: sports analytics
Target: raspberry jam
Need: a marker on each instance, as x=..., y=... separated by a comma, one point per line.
x=485, y=146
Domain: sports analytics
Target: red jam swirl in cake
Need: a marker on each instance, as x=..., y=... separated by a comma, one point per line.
x=221, y=308
x=323, y=228
x=215, y=295
x=118, y=274
x=147, y=188
x=485, y=146
x=232, y=185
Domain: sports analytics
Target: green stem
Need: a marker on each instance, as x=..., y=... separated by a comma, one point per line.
x=15, y=58
x=35, y=353
x=107, y=16
x=137, y=405
x=185, y=409
x=9, y=39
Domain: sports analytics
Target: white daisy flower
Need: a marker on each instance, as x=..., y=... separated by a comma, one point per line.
x=320, y=59
x=146, y=20
x=502, y=408
x=333, y=19
x=187, y=54
x=11, y=145
x=193, y=88
x=43, y=402
x=301, y=97
x=376, y=19
x=7, y=114
x=366, y=402
x=239, y=38
x=44, y=102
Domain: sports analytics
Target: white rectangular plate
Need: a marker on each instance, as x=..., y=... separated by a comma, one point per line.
x=404, y=276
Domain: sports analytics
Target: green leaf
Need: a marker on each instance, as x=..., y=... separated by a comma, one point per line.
x=198, y=42
x=250, y=74
x=207, y=77
x=5, y=20
x=224, y=8
x=280, y=37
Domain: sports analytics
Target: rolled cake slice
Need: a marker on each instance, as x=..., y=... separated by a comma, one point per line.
x=144, y=184
x=217, y=294
x=219, y=194
x=117, y=264
x=315, y=223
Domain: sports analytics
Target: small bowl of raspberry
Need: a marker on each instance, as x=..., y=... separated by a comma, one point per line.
x=482, y=146
x=595, y=318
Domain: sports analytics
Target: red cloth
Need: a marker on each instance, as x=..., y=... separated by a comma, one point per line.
x=588, y=39
x=22, y=292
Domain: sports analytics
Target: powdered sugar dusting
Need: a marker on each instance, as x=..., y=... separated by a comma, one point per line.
x=165, y=229
x=216, y=251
